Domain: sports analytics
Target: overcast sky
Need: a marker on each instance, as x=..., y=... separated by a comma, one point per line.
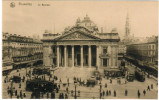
x=29, y=20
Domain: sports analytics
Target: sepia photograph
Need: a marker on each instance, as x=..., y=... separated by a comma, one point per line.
x=79, y=49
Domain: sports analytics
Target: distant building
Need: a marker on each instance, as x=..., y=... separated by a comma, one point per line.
x=145, y=52
x=6, y=53
x=81, y=46
x=20, y=50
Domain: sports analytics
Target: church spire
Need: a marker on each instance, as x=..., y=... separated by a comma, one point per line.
x=127, y=27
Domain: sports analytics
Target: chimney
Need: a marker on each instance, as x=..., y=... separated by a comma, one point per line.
x=101, y=29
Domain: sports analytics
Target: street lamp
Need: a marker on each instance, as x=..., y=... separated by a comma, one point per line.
x=75, y=89
x=11, y=88
x=100, y=90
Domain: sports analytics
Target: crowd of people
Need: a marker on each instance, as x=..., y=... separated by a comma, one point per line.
x=63, y=90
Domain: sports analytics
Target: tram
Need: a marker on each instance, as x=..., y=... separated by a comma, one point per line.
x=130, y=73
x=139, y=75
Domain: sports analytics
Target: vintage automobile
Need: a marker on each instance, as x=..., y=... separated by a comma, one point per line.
x=40, y=85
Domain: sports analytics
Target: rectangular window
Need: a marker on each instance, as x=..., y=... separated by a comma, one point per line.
x=104, y=50
x=104, y=62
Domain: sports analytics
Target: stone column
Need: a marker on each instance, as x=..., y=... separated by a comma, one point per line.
x=57, y=56
x=50, y=54
x=81, y=55
x=117, y=55
x=110, y=56
x=89, y=56
x=97, y=56
x=73, y=56
x=65, y=61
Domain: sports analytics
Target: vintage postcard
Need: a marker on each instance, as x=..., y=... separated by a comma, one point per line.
x=79, y=49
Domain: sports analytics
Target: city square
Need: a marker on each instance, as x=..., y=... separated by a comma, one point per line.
x=88, y=92
x=70, y=50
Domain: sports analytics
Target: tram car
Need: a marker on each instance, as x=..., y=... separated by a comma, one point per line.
x=139, y=75
x=40, y=85
x=130, y=73
x=40, y=71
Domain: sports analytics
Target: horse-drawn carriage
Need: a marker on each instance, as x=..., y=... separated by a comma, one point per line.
x=92, y=81
x=40, y=71
x=40, y=85
x=16, y=79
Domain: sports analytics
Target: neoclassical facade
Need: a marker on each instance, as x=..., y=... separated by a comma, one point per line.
x=81, y=46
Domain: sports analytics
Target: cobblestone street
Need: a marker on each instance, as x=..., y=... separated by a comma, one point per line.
x=89, y=92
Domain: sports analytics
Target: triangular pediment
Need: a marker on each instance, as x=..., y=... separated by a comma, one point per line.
x=78, y=36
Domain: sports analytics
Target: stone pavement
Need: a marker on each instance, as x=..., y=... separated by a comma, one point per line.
x=90, y=92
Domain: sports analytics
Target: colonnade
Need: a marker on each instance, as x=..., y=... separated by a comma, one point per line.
x=81, y=54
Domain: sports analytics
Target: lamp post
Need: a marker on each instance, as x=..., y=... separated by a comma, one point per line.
x=75, y=90
x=100, y=90
x=11, y=88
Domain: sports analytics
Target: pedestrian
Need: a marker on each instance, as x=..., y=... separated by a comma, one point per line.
x=32, y=95
x=72, y=92
x=105, y=85
x=126, y=92
x=67, y=89
x=103, y=93
x=109, y=92
x=24, y=95
x=68, y=81
x=151, y=86
x=19, y=85
x=52, y=95
x=8, y=87
x=66, y=97
x=17, y=96
x=148, y=88
x=11, y=93
x=125, y=81
x=144, y=92
x=15, y=92
x=20, y=93
x=62, y=96
x=47, y=95
x=100, y=95
x=119, y=81
x=78, y=92
x=111, y=81
x=60, y=80
x=138, y=94
x=59, y=86
x=57, y=90
x=114, y=93
x=8, y=91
